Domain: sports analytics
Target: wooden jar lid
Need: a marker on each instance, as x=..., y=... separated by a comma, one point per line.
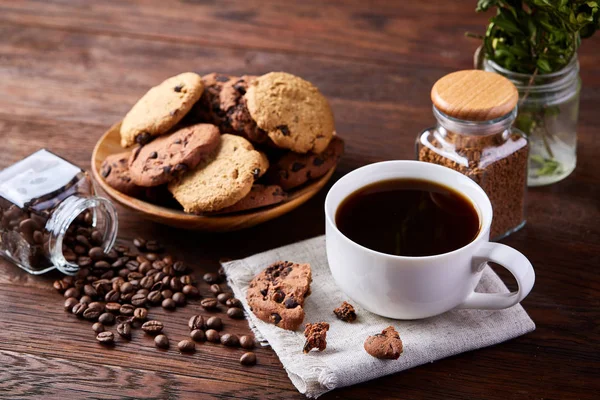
x=474, y=95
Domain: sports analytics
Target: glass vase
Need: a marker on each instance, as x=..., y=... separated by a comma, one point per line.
x=548, y=111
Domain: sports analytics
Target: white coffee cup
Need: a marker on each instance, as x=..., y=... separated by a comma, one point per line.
x=420, y=287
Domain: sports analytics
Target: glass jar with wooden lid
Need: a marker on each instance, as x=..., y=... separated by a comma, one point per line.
x=475, y=111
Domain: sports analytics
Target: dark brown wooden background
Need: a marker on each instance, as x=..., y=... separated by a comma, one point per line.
x=69, y=69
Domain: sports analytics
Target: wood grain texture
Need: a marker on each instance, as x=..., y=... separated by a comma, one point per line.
x=70, y=69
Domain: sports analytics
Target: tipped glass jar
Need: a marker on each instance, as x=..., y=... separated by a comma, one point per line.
x=50, y=217
x=475, y=111
x=548, y=114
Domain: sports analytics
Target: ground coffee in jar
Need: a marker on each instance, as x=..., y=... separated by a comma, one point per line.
x=50, y=217
x=475, y=110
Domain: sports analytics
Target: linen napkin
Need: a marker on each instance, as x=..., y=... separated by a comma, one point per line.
x=345, y=362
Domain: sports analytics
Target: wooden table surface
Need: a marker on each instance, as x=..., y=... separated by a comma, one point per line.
x=69, y=69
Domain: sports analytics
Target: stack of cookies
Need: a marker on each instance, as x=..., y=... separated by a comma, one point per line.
x=223, y=144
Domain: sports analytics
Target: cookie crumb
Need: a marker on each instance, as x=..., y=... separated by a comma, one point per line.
x=345, y=312
x=316, y=335
x=385, y=345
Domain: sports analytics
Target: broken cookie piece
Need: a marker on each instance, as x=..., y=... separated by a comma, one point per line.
x=386, y=344
x=277, y=294
x=345, y=312
x=316, y=336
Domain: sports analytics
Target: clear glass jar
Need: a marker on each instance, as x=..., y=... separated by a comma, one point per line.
x=491, y=153
x=548, y=114
x=49, y=215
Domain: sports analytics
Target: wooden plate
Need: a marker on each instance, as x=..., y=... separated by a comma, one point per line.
x=109, y=144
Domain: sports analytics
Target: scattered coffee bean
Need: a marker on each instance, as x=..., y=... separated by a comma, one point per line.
x=247, y=342
x=168, y=259
x=121, y=319
x=167, y=293
x=186, y=346
x=126, y=287
x=79, y=309
x=98, y=327
x=154, y=297
x=209, y=303
x=186, y=280
x=61, y=286
x=70, y=303
x=96, y=253
x=121, y=249
x=112, y=307
x=106, y=337
x=152, y=327
x=127, y=310
x=168, y=304
x=179, y=298
x=153, y=246
x=215, y=288
x=198, y=335
x=212, y=336
x=85, y=299
x=248, y=359
x=233, y=302
x=235, y=313
x=143, y=291
x=112, y=296
x=179, y=266
x=106, y=318
x=190, y=291
x=132, y=265
x=196, y=322
x=91, y=314
x=211, y=277
x=230, y=340
x=124, y=329
x=175, y=284
x=223, y=297
x=214, y=323
x=140, y=314
x=161, y=341
x=140, y=243
x=72, y=292
x=103, y=265
x=97, y=305
x=138, y=299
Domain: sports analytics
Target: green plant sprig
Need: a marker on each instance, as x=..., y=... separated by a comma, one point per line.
x=537, y=36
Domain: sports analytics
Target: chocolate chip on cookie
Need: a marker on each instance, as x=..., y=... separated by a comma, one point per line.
x=295, y=115
x=277, y=294
x=161, y=108
x=316, y=336
x=222, y=179
x=116, y=173
x=259, y=196
x=386, y=344
x=224, y=105
x=293, y=169
x=345, y=312
x=169, y=157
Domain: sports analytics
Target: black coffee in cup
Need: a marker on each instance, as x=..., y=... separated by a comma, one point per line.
x=408, y=217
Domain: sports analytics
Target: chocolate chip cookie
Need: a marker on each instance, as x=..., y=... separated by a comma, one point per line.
x=386, y=344
x=224, y=105
x=222, y=179
x=277, y=294
x=295, y=115
x=161, y=108
x=259, y=196
x=316, y=336
x=345, y=312
x=293, y=169
x=169, y=157
x=115, y=172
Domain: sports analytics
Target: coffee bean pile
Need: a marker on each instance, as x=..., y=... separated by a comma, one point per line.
x=119, y=287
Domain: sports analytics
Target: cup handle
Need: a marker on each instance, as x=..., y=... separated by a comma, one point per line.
x=513, y=261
